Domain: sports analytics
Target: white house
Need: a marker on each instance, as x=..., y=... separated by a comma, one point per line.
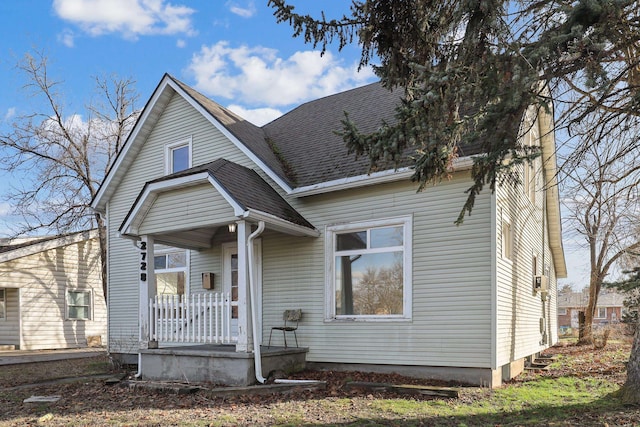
x=206, y=210
x=51, y=292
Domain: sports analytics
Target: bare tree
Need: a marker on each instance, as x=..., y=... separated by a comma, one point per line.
x=604, y=205
x=63, y=156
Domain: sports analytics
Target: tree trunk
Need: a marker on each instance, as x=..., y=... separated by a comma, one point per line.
x=630, y=391
x=595, y=283
x=102, y=238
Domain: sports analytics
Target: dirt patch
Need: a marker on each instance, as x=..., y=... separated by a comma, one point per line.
x=93, y=402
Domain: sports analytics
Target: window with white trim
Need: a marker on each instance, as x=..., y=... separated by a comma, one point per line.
x=78, y=304
x=601, y=313
x=529, y=172
x=562, y=312
x=178, y=156
x=369, y=274
x=507, y=239
x=170, y=268
x=3, y=304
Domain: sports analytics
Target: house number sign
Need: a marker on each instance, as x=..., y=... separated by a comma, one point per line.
x=143, y=261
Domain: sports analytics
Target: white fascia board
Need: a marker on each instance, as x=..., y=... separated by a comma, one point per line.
x=390, y=175
x=352, y=182
x=98, y=204
x=48, y=245
x=279, y=224
x=266, y=169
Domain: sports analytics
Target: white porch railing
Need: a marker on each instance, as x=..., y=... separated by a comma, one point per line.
x=199, y=318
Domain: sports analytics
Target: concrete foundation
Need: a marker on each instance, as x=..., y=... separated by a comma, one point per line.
x=217, y=364
x=513, y=369
x=482, y=377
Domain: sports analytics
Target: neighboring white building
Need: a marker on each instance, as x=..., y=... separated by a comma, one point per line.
x=51, y=292
x=384, y=278
x=609, y=309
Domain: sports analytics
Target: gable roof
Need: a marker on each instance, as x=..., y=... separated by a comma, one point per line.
x=249, y=134
x=235, y=179
x=28, y=247
x=231, y=181
x=229, y=124
x=301, y=151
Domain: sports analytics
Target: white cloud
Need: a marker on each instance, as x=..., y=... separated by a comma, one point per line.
x=258, y=76
x=67, y=38
x=181, y=43
x=257, y=116
x=131, y=18
x=11, y=113
x=5, y=209
x=246, y=12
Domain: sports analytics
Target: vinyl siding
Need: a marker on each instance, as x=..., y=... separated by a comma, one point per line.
x=178, y=122
x=44, y=279
x=10, y=325
x=451, y=323
x=451, y=316
x=194, y=207
x=519, y=309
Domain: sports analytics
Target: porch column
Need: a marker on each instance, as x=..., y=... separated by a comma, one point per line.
x=147, y=287
x=244, y=320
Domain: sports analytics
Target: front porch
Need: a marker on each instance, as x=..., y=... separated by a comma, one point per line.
x=218, y=364
x=200, y=274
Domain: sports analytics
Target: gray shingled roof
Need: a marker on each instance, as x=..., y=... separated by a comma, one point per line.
x=302, y=147
x=306, y=136
x=249, y=134
x=246, y=187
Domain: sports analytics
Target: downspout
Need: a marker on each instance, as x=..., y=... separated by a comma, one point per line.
x=254, y=315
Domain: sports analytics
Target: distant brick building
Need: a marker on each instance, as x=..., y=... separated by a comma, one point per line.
x=608, y=311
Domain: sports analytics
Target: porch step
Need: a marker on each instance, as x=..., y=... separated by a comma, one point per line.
x=7, y=347
x=218, y=364
x=540, y=363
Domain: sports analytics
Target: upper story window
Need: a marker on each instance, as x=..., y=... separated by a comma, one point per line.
x=3, y=304
x=529, y=177
x=170, y=267
x=369, y=270
x=507, y=239
x=178, y=156
x=78, y=304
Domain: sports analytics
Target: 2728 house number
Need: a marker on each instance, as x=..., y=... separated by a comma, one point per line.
x=143, y=261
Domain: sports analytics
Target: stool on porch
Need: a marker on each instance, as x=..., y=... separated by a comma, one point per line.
x=289, y=317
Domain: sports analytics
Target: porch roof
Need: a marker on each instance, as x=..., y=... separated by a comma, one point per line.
x=250, y=197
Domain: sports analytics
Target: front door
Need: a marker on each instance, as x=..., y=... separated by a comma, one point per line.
x=230, y=283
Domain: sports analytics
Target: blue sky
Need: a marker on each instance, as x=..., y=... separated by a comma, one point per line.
x=232, y=51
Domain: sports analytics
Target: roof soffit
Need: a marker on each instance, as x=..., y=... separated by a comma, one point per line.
x=552, y=199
